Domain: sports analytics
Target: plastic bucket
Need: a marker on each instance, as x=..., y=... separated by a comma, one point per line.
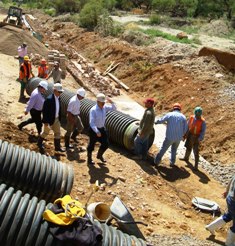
x=99, y=211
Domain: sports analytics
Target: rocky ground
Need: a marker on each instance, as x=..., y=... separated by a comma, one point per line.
x=167, y=71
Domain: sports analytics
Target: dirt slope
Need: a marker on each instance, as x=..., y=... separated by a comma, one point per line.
x=162, y=197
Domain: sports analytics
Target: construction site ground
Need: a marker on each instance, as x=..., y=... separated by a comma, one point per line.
x=166, y=71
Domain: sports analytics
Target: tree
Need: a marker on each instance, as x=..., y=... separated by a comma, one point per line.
x=90, y=13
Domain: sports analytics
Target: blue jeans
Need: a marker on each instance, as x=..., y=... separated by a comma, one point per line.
x=141, y=146
x=230, y=215
x=166, y=144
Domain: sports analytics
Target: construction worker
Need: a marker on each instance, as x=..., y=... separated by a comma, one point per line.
x=56, y=73
x=22, y=52
x=141, y=143
x=97, y=131
x=195, y=135
x=25, y=74
x=175, y=130
x=74, y=123
x=34, y=106
x=229, y=194
x=51, y=118
x=43, y=70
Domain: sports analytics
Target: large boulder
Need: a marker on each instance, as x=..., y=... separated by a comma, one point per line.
x=225, y=58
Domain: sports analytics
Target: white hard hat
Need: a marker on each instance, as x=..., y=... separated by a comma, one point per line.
x=43, y=84
x=81, y=92
x=58, y=87
x=100, y=97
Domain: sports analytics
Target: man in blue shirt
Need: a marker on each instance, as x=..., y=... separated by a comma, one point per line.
x=97, y=131
x=175, y=131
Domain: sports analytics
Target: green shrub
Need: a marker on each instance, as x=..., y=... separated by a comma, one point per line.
x=107, y=27
x=155, y=19
x=51, y=11
x=90, y=13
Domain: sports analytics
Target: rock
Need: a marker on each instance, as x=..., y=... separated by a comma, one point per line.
x=182, y=35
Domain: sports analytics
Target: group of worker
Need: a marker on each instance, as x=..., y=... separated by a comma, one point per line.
x=46, y=114
x=26, y=72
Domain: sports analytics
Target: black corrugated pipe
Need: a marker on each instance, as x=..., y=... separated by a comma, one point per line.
x=114, y=237
x=22, y=224
x=122, y=128
x=34, y=173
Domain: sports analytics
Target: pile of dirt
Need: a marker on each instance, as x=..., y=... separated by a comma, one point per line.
x=216, y=28
x=11, y=38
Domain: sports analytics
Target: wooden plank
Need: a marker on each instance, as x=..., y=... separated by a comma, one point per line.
x=118, y=81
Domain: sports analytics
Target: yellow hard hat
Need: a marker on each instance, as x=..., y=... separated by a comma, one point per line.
x=26, y=58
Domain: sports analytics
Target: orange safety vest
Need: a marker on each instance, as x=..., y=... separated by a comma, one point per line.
x=43, y=72
x=195, y=125
x=25, y=72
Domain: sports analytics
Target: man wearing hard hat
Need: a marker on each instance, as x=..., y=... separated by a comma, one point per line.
x=97, y=131
x=25, y=75
x=74, y=123
x=43, y=69
x=34, y=106
x=195, y=135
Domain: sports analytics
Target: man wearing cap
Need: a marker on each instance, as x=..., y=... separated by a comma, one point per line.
x=22, y=52
x=97, y=131
x=195, y=135
x=43, y=69
x=51, y=113
x=34, y=106
x=25, y=75
x=175, y=131
x=144, y=131
x=74, y=123
x=56, y=73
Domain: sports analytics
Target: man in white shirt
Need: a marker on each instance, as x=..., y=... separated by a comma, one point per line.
x=74, y=123
x=22, y=51
x=97, y=131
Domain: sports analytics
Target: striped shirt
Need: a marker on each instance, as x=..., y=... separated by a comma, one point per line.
x=36, y=101
x=176, y=125
x=98, y=116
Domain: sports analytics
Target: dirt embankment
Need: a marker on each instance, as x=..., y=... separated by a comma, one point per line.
x=167, y=71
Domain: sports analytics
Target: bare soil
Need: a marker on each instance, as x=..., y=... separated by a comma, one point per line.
x=160, y=197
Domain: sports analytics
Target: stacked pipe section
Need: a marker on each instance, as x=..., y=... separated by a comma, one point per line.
x=122, y=128
x=34, y=173
x=22, y=224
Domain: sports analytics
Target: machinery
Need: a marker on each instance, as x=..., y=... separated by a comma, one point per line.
x=14, y=17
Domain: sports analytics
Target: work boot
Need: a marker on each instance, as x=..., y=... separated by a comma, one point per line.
x=40, y=145
x=186, y=156
x=100, y=155
x=89, y=158
x=74, y=135
x=57, y=145
x=67, y=144
x=216, y=224
x=22, y=124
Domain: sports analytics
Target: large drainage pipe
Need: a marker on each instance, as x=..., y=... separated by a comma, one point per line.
x=21, y=223
x=122, y=128
x=34, y=173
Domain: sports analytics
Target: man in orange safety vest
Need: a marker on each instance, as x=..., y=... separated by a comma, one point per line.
x=195, y=135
